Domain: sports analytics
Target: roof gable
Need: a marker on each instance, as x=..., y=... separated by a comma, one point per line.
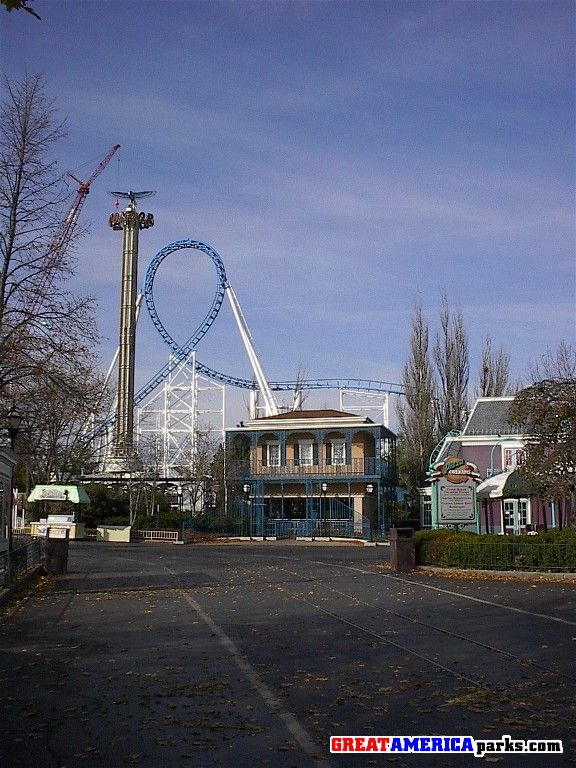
x=490, y=417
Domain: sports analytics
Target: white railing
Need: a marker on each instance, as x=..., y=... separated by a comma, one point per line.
x=157, y=535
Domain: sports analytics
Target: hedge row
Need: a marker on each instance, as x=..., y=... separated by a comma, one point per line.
x=551, y=551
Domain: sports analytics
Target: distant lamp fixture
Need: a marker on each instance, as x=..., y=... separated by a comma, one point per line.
x=246, y=489
x=324, y=487
x=13, y=423
x=369, y=488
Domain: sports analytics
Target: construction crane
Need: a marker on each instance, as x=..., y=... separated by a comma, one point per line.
x=65, y=229
x=33, y=299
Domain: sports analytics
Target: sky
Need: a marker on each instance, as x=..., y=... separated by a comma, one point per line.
x=347, y=160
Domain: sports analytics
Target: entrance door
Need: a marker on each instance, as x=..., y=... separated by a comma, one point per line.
x=516, y=515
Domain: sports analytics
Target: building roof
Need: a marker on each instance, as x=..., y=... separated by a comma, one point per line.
x=310, y=420
x=490, y=417
x=322, y=414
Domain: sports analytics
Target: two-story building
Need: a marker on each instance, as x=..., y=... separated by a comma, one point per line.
x=313, y=472
x=497, y=448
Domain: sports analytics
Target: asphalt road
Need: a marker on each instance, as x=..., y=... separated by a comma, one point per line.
x=253, y=655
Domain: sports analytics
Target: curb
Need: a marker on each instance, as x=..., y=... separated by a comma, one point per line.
x=521, y=575
x=8, y=592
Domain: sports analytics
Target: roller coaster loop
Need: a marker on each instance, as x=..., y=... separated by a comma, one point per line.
x=181, y=352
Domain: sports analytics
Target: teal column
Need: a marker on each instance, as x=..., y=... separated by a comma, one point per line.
x=434, y=486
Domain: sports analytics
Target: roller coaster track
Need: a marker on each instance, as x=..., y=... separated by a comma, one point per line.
x=181, y=352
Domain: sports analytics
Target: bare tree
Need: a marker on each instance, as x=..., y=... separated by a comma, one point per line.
x=299, y=397
x=43, y=325
x=546, y=410
x=453, y=367
x=417, y=412
x=494, y=373
x=54, y=442
x=19, y=5
x=557, y=365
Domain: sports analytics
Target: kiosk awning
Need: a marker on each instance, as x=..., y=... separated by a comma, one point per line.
x=75, y=494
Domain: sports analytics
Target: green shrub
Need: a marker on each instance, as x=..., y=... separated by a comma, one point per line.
x=116, y=520
x=554, y=550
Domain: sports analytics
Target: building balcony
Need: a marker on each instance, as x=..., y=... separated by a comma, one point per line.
x=368, y=467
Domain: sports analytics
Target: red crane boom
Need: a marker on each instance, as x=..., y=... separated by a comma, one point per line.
x=33, y=300
x=65, y=229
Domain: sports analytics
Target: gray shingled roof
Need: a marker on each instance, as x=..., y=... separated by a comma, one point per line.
x=489, y=417
x=452, y=448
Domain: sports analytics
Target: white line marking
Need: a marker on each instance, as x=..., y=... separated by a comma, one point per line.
x=295, y=729
x=455, y=594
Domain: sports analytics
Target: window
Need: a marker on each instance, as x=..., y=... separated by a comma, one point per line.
x=426, y=512
x=271, y=455
x=522, y=512
x=337, y=452
x=509, y=509
x=516, y=513
x=513, y=457
x=306, y=454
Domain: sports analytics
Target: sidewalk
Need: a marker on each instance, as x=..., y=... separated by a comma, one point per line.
x=95, y=673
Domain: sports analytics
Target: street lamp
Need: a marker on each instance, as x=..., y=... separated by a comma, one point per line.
x=13, y=423
x=324, y=488
x=247, y=510
x=369, y=491
x=490, y=469
x=12, y=426
x=179, y=494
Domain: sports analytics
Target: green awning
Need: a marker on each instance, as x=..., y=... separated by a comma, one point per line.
x=75, y=494
x=516, y=487
x=505, y=485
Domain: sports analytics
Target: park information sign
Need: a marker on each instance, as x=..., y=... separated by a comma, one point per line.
x=455, y=480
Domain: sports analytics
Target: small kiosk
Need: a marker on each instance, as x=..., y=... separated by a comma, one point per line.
x=60, y=501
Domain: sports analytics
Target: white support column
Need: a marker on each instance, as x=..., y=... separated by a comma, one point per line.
x=270, y=405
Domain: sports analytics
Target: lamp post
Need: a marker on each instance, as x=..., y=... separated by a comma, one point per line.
x=13, y=423
x=180, y=494
x=246, y=489
x=490, y=469
x=12, y=426
x=369, y=491
x=490, y=473
x=324, y=488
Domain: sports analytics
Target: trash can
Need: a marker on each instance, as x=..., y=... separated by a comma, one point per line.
x=56, y=553
x=402, y=550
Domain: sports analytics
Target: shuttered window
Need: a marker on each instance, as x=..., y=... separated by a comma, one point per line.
x=305, y=453
x=271, y=455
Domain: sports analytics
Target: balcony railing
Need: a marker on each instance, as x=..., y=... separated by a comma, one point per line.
x=367, y=466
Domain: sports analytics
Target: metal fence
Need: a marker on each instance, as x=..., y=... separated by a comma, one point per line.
x=156, y=535
x=504, y=555
x=24, y=557
x=247, y=524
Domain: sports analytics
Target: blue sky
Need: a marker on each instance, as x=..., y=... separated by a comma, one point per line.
x=345, y=159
